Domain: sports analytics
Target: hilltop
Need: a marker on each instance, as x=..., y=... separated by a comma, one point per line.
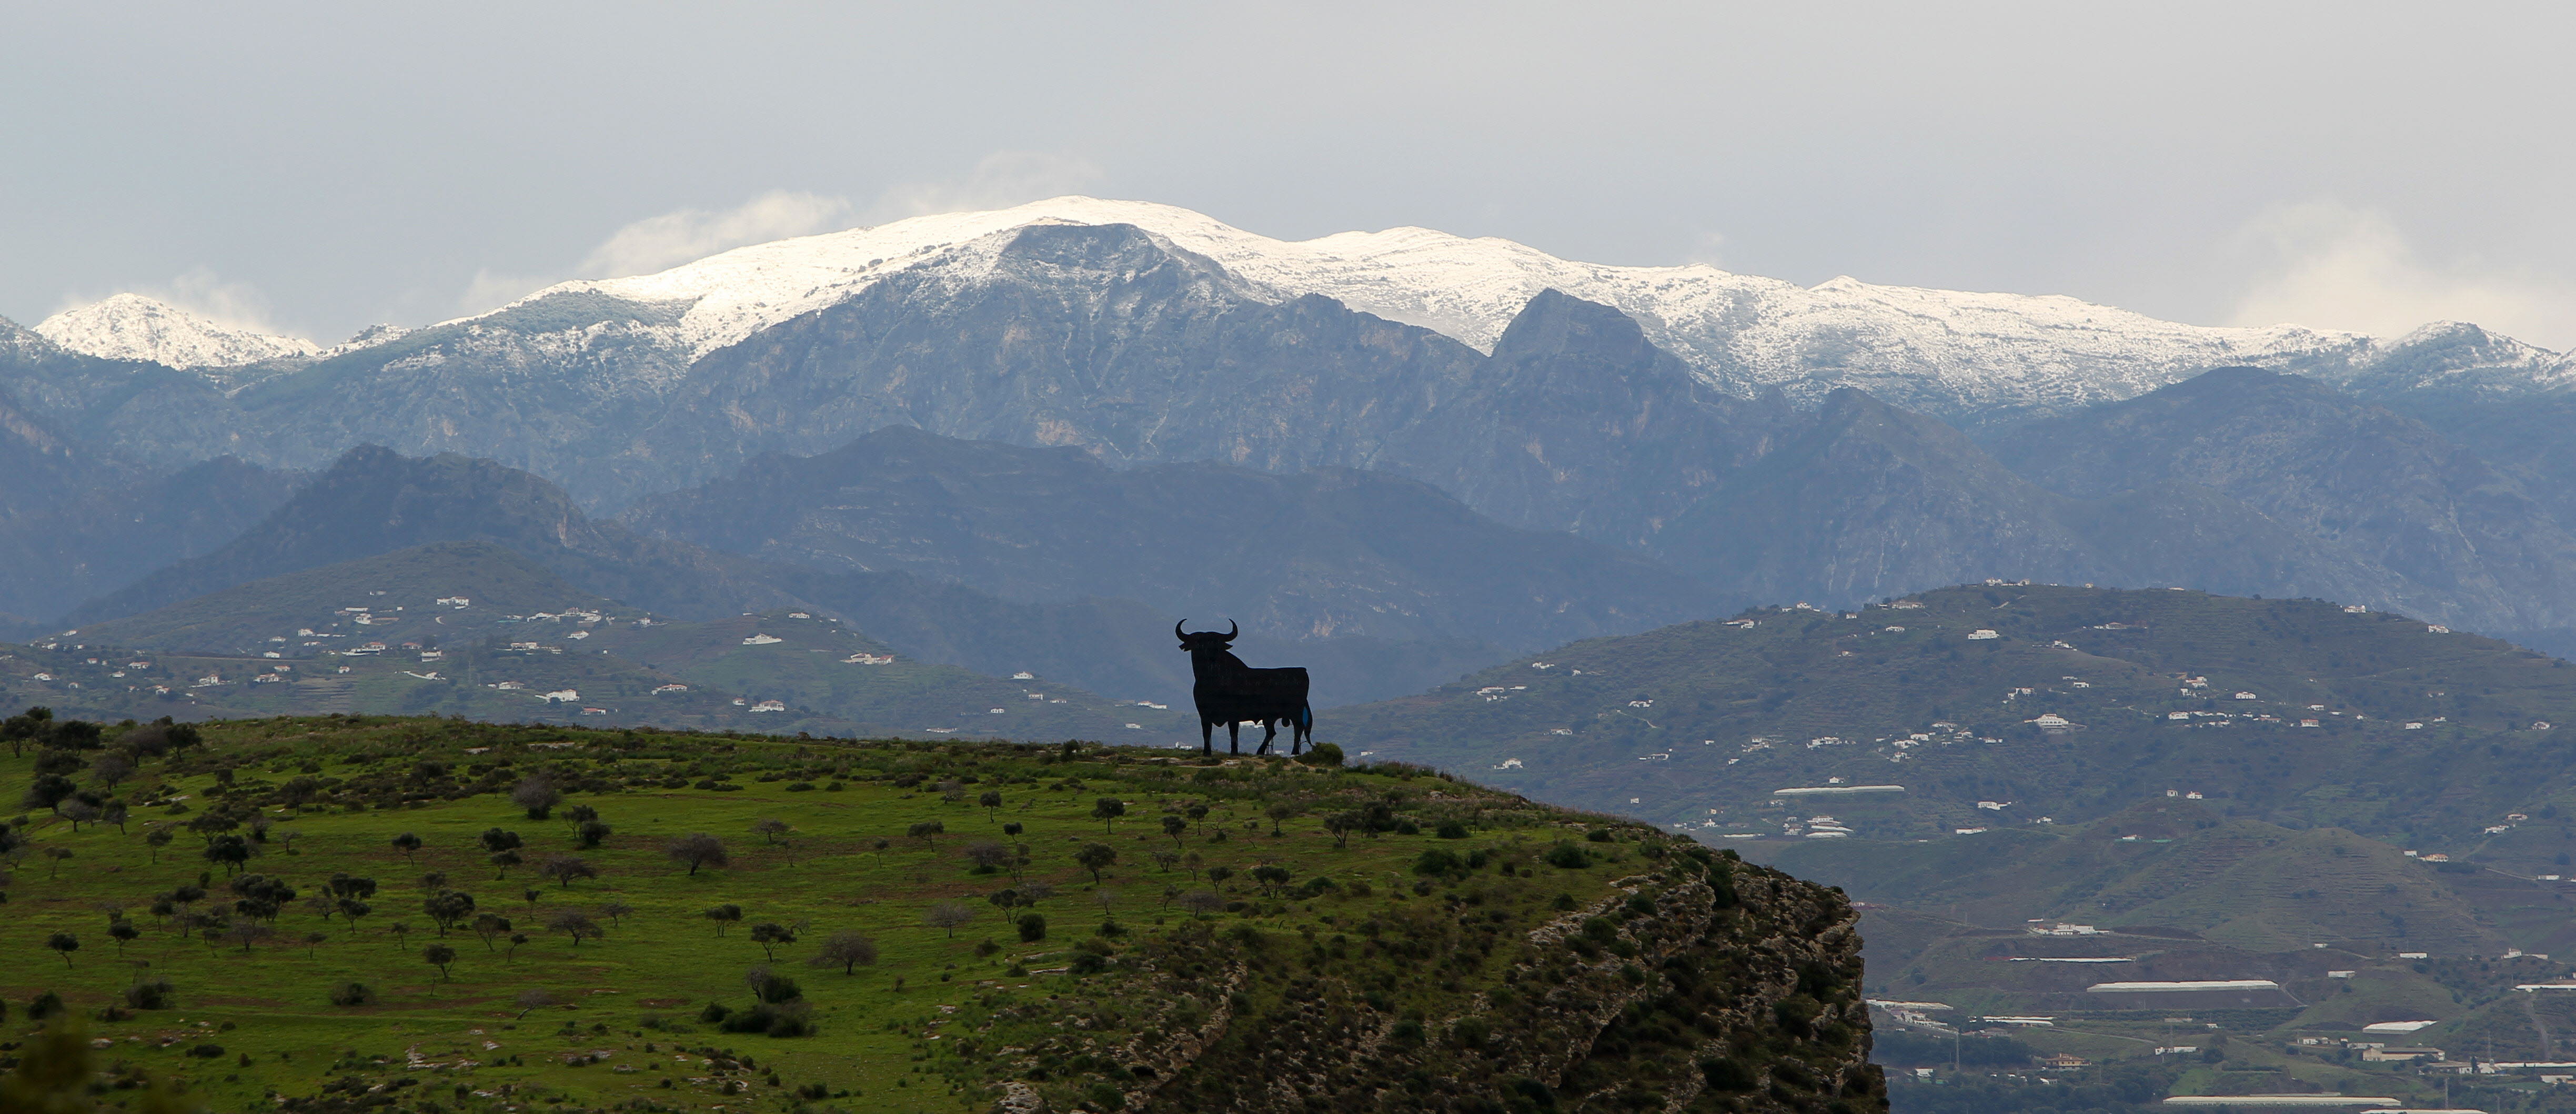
x=683, y=921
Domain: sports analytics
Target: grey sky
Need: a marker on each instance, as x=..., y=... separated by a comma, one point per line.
x=330, y=166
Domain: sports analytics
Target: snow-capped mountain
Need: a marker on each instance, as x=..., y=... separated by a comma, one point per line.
x=133, y=327
x=1957, y=354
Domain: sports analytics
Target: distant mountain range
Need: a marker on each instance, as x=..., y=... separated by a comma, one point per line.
x=1379, y=440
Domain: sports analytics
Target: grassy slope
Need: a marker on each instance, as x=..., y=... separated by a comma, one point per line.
x=920, y=1030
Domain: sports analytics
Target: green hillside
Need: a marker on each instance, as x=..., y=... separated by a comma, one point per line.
x=1699, y=725
x=942, y=926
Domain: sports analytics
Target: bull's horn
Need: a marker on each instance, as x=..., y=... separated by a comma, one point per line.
x=1231, y=630
x=1176, y=629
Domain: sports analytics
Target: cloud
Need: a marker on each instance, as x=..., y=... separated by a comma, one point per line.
x=1000, y=180
x=659, y=243
x=2325, y=264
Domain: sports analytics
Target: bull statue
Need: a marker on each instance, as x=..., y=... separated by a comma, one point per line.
x=1232, y=693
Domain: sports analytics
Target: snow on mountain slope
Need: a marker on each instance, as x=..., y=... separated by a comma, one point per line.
x=1947, y=352
x=133, y=327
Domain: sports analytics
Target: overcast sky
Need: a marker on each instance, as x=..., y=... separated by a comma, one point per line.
x=318, y=168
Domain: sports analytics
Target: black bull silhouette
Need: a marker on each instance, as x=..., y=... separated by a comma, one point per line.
x=1232, y=693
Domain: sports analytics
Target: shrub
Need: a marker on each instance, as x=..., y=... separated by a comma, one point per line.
x=791, y=1020
x=1322, y=754
x=155, y=995
x=1599, y=835
x=1565, y=854
x=1451, y=829
x=209, y=1051
x=1726, y=1074
x=1032, y=928
x=1437, y=862
x=715, y=1012
x=352, y=994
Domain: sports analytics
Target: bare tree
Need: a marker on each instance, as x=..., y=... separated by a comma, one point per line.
x=769, y=829
x=724, y=915
x=947, y=915
x=576, y=924
x=849, y=950
x=491, y=926
x=696, y=851
x=110, y=768
x=987, y=856
x=616, y=911
x=536, y=794
x=565, y=868
x=531, y=1001
x=1201, y=902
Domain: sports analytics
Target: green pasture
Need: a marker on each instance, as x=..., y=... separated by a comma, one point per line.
x=919, y=1029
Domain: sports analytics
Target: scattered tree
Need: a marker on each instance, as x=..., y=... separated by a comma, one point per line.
x=1174, y=826
x=1032, y=927
x=1094, y=857
x=926, y=829
x=439, y=956
x=502, y=861
x=576, y=924
x=537, y=795
x=491, y=926
x=565, y=868
x=769, y=829
x=616, y=910
x=990, y=799
x=987, y=856
x=110, y=768
x=245, y=932
x=123, y=932
x=1201, y=903
x=49, y=791
x=531, y=1001
x=1218, y=874
x=1271, y=878
x=351, y=909
x=1341, y=825
x=64, y=943
x=848, y=950
x=448, y=907
x=946, y=916
x=592, y=833
x=156, y=839
x=696, y=851
x=312, y=940
x=1107, y=810
x=770, y=934
x=408, y=844
x=1278, y=812
x=55, y=855
x=724, y=915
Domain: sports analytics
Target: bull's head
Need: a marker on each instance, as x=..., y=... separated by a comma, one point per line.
x=1206, y=641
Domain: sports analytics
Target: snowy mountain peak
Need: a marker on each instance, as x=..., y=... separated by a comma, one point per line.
x=1950, y=353
x=133, y=327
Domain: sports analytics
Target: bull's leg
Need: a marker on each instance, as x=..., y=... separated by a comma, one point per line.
x=1269, y=731
x=1207, y=737
x=1234, y=736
